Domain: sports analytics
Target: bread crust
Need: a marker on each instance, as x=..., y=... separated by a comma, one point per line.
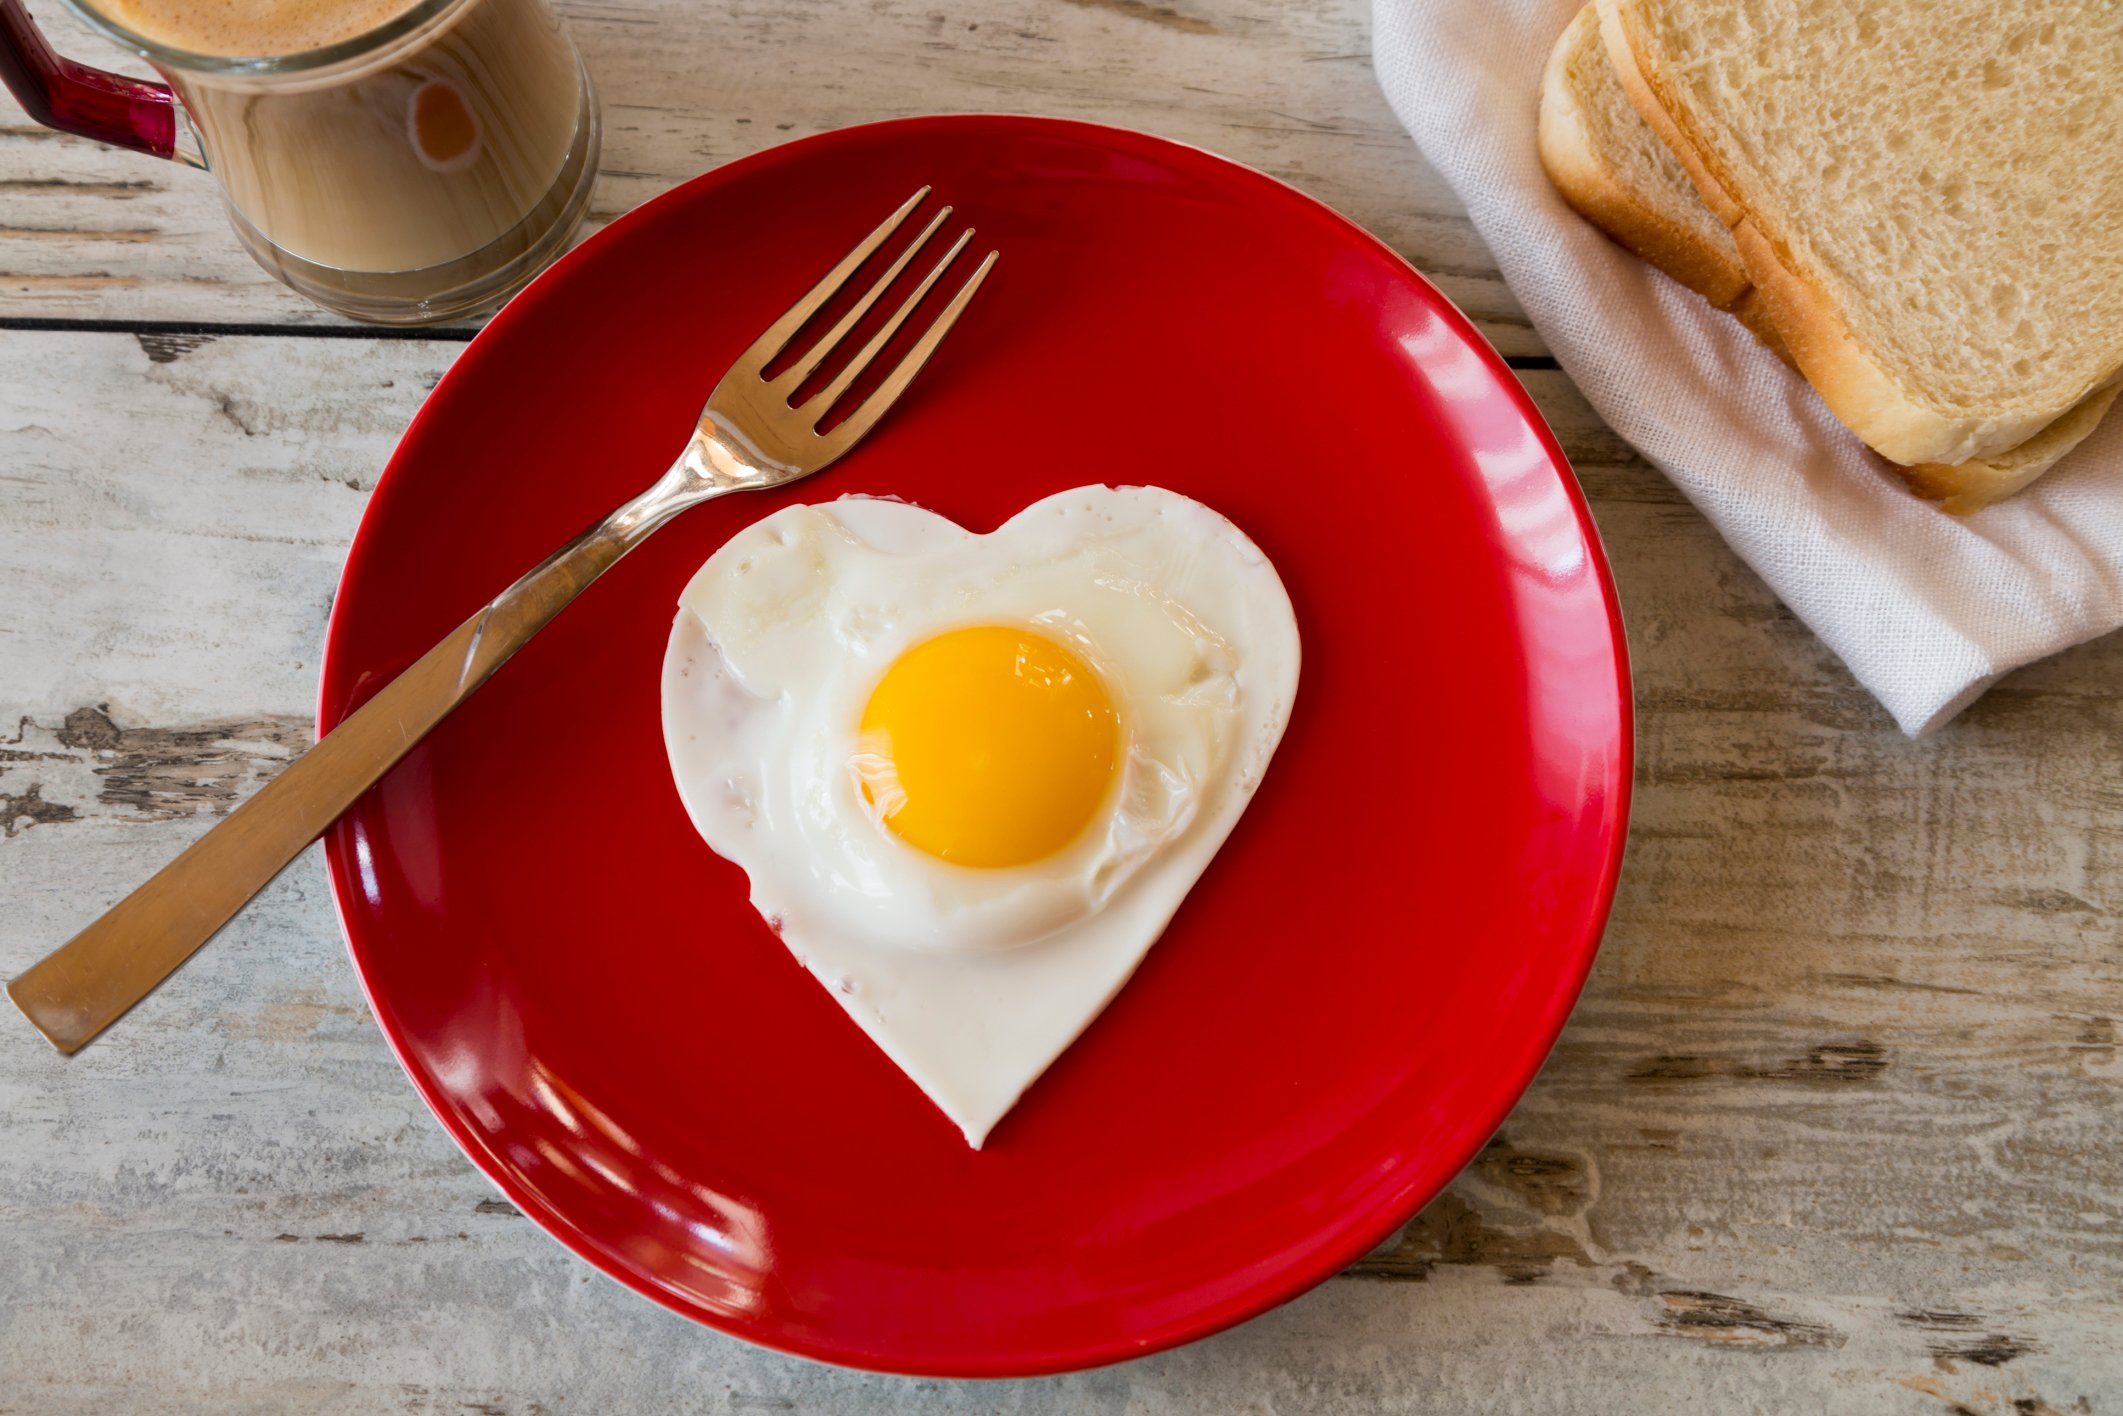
x=1751, y=312
x=1821, y=346
x=1970, y=486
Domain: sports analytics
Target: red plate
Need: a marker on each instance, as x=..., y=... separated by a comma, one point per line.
x=1348, y=1003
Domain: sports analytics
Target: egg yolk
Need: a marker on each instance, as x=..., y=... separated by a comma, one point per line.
x=989, y=746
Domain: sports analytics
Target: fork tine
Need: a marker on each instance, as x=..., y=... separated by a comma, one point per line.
x=821, y=403
x=802, y=369
x=895, y=383
x=778, y=334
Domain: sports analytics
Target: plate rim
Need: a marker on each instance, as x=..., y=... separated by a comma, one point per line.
x=1359, y=1238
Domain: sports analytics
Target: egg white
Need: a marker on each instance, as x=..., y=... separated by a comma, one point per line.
x=974, y=980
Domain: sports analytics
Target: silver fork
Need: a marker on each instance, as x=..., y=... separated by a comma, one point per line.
x=748, y=437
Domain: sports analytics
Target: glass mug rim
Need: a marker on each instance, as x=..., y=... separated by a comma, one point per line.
x=359, y=46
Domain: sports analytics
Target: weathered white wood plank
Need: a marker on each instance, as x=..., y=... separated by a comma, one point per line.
x=1284, y=85
x=1836, y=1127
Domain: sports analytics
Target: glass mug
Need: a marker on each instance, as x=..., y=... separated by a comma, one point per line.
x=422, y=169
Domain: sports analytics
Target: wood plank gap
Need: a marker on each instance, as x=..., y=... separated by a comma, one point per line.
x=217, y=329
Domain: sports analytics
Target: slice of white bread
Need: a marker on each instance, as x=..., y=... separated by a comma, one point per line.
x=1927, y=194
x=1614, y=170
x=1610, y=166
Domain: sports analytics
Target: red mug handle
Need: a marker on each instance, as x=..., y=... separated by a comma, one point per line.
x=77, y=99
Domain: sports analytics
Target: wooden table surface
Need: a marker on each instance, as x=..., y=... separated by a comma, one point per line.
x=1837, y=1127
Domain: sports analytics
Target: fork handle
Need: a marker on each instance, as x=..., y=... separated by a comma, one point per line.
x=85, y=985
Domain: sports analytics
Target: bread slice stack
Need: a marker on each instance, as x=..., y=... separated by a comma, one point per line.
x=1918, y=204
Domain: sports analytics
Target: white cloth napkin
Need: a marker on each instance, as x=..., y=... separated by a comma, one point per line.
x=1926, y=609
